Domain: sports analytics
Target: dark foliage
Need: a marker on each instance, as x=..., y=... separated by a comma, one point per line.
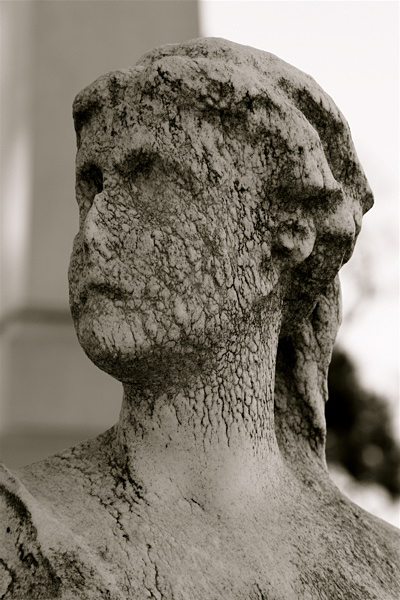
x=360, y=434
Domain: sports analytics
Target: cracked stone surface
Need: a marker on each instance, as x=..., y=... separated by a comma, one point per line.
x=219, y=194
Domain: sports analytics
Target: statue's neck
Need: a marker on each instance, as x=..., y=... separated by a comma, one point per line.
x=212, y=438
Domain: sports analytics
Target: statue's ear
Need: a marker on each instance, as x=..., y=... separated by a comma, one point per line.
x=293, y=238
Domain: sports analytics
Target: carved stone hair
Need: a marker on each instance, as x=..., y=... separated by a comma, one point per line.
x=241, y=90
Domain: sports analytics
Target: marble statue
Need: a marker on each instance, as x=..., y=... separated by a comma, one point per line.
x=219, y=194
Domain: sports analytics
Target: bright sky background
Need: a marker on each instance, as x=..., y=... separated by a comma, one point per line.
x=351, y=48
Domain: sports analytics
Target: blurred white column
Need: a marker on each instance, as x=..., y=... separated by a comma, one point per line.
x=16, y=151
x=50, y=51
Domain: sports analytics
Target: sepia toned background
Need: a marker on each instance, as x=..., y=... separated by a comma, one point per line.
x=51, y=396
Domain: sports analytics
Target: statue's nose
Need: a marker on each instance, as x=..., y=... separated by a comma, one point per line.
x=94, y=230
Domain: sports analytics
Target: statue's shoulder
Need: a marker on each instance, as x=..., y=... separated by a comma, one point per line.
x=25, y=571
x=361, y=551
x=40, y=557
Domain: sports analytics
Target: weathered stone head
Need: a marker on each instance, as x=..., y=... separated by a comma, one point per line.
x=218, y=187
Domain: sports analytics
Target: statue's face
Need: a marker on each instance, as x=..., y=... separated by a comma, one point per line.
x=173, y=254
x=157, y=265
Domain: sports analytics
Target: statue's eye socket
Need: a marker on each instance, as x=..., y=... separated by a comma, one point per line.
x=89, y=183
x=92, y=176
x=137, y=163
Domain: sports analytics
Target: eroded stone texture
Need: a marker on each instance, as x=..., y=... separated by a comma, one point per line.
x=219, y=194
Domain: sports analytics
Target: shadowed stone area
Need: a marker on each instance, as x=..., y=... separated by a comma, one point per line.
x=219, y=194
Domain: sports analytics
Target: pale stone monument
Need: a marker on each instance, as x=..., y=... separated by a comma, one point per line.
x=219, y=194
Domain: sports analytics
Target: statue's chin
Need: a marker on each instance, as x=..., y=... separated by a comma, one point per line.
x=130, y=356
x=110, y=343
